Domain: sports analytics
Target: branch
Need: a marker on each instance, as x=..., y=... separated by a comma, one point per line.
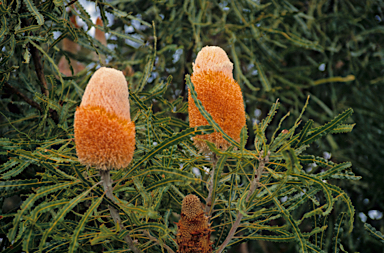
x=107, y=184
x=157, y=242
x=39, y=68
x=252, y=188
x=24, y=97
x=208, y=201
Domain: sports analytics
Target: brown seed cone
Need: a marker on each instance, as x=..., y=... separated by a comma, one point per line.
x=104, y=133
x=223, y=99
x=194, y=232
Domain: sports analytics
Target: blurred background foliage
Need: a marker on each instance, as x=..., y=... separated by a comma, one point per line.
x=331, y=50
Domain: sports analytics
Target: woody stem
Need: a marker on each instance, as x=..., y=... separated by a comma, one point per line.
x=107, y=184
x=252, y=188
x=209, y=202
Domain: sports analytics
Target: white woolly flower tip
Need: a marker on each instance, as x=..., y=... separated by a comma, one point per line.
x=108, y=89
x=213, y=58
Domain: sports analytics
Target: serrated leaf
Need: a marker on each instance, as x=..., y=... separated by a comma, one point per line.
x=351, y=210
x=35, y=12
x=325, y=187
x=374, y=233
x=333, y=170
x=343, y=128
x=320, y=131
x=16, y=171
x=28, y=203
x=304, y=132
x=21, y=184
x=60, y=216
x=9, y=164
x=243, y=139
x=4, y=27
x=296, y=231
x=262, y=76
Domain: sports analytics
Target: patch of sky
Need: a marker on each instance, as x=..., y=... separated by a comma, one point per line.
x=363, y=217
x=177, y=54
x=322, y=67
x=375, y=214
x=224, y=5
x=327, y=155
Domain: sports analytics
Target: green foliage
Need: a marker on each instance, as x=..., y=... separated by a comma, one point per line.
x=277, y=48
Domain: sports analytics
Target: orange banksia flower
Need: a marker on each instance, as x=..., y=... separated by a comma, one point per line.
x=193, y=229
x=104, y=133
x=220, y=95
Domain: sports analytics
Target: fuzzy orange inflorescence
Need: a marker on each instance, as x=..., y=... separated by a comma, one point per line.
x=194, y=232
x=220, y=95
x=104, y=133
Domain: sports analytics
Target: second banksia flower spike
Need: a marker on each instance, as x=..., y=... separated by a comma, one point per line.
x=104, y=133
x=220, y=95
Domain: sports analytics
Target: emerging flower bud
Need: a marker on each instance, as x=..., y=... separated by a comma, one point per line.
x=220, y=95
x=194, y=231
x=104, y=133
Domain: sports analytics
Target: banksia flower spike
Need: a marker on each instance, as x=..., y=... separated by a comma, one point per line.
x=193, y=229
x=104, y=133
x=220, y=95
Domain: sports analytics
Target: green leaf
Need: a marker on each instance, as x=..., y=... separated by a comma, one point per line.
x=325, y=187
x=263, y=78
x=333, y=170
x=243, y=139
x=30, y=28
x=320, y=131
x=9, y=164
x=374, y=233
x=304, y=132
x=32, y=8
x=175, y=139
x=4, y=27
x=351, y=210
x=75, y=237
x=289, y=219
x=16, y=171
x=21, y=184
x=216, y=177
x=61, y=214
x=28, y=203
x=343, y=128
x=337, y=233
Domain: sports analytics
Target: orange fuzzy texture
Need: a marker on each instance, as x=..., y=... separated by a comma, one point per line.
x=223, y=99
x=194, y=232
x=103, y=139
x=104, y=133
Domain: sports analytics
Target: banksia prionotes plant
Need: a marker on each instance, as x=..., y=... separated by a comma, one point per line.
x=193, y=229
x=104, y=133
x=220, y=95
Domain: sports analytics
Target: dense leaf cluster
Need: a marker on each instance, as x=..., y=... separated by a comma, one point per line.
x=330, y=50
